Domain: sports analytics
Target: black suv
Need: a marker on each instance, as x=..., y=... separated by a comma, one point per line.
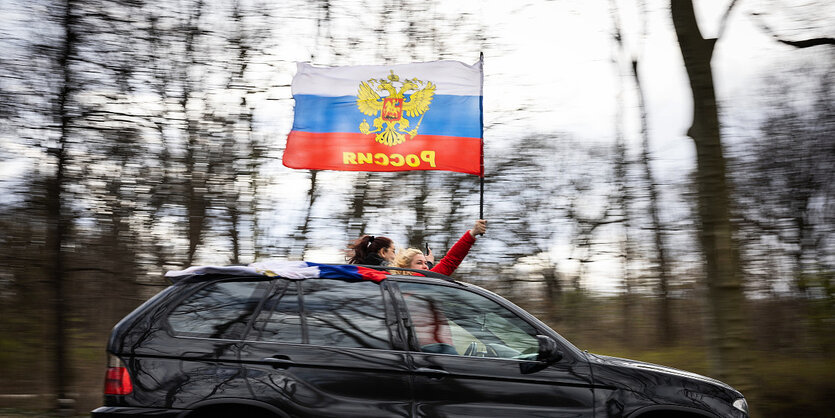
x=309, y=340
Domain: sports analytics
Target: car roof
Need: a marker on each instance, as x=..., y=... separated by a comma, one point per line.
x=298, y=270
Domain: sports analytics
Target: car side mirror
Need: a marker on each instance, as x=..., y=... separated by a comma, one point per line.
x=548, y=353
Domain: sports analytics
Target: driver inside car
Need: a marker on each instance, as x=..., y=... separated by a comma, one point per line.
x=430, y=324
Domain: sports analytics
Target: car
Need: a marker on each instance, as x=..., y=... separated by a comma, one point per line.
x=301, y=339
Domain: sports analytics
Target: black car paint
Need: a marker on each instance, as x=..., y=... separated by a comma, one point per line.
x=644, y=387
x=174, y=375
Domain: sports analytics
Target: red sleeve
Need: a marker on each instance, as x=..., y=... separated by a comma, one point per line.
x=455, y=255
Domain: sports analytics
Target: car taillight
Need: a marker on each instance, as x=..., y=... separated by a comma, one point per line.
x=117, y=379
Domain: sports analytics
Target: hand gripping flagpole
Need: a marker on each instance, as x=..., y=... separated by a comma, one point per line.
x=481, y=116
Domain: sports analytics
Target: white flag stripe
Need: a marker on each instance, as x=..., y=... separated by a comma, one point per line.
x=450, y=77
x=230, y=270
x=286, y=269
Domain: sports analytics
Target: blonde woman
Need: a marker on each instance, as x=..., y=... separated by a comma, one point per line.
x=415, y=259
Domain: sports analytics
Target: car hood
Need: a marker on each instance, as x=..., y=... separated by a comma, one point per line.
x=650, y=367
x=632, y=385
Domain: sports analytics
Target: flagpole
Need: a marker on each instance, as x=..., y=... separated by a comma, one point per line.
x=481, y=113
x=481, y=200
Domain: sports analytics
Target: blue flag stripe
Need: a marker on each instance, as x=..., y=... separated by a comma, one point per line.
x=457, y=116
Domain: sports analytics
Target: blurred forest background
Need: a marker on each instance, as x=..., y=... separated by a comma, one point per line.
x=138, y=137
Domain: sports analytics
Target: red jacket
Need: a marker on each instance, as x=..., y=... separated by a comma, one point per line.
x=455, y=255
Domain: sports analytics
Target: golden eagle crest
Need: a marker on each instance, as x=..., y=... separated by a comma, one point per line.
x=393, y=106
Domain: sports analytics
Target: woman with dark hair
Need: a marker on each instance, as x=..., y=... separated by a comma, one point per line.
x=371, y=250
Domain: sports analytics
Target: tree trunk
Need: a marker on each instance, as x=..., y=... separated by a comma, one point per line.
x=416, y=233
x=57, y=223
x=624, y=204
x=355, y=216
x=302, y=238
x=665, y=314
x=728, y=340
x=623, y=198
x=196, y=205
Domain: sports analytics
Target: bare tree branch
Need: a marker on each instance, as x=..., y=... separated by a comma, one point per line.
x=803, y=43
x=806, y=43
x=724, y=22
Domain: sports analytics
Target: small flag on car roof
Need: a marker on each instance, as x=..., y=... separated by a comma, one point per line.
x=296, y=270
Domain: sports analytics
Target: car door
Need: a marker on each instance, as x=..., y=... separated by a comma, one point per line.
x=324, y=348
x=475, y=356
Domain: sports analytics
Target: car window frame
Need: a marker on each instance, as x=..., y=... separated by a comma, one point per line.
x=394, y=317
x=277, y=281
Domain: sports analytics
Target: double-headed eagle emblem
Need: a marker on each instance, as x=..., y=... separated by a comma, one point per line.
x=392, y=126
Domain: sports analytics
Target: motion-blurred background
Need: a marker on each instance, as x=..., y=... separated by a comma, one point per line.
x=659, y=176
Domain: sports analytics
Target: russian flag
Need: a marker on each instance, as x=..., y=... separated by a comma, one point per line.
x=296, y=270
x=308, y=270
x=419, y=116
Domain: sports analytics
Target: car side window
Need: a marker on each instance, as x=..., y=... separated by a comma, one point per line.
x=344, y=314
x=329, y=312
x=449, y=320
x=219, y=310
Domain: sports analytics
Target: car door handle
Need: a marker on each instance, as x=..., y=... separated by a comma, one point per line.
x=433, y=373
x=279, y=361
